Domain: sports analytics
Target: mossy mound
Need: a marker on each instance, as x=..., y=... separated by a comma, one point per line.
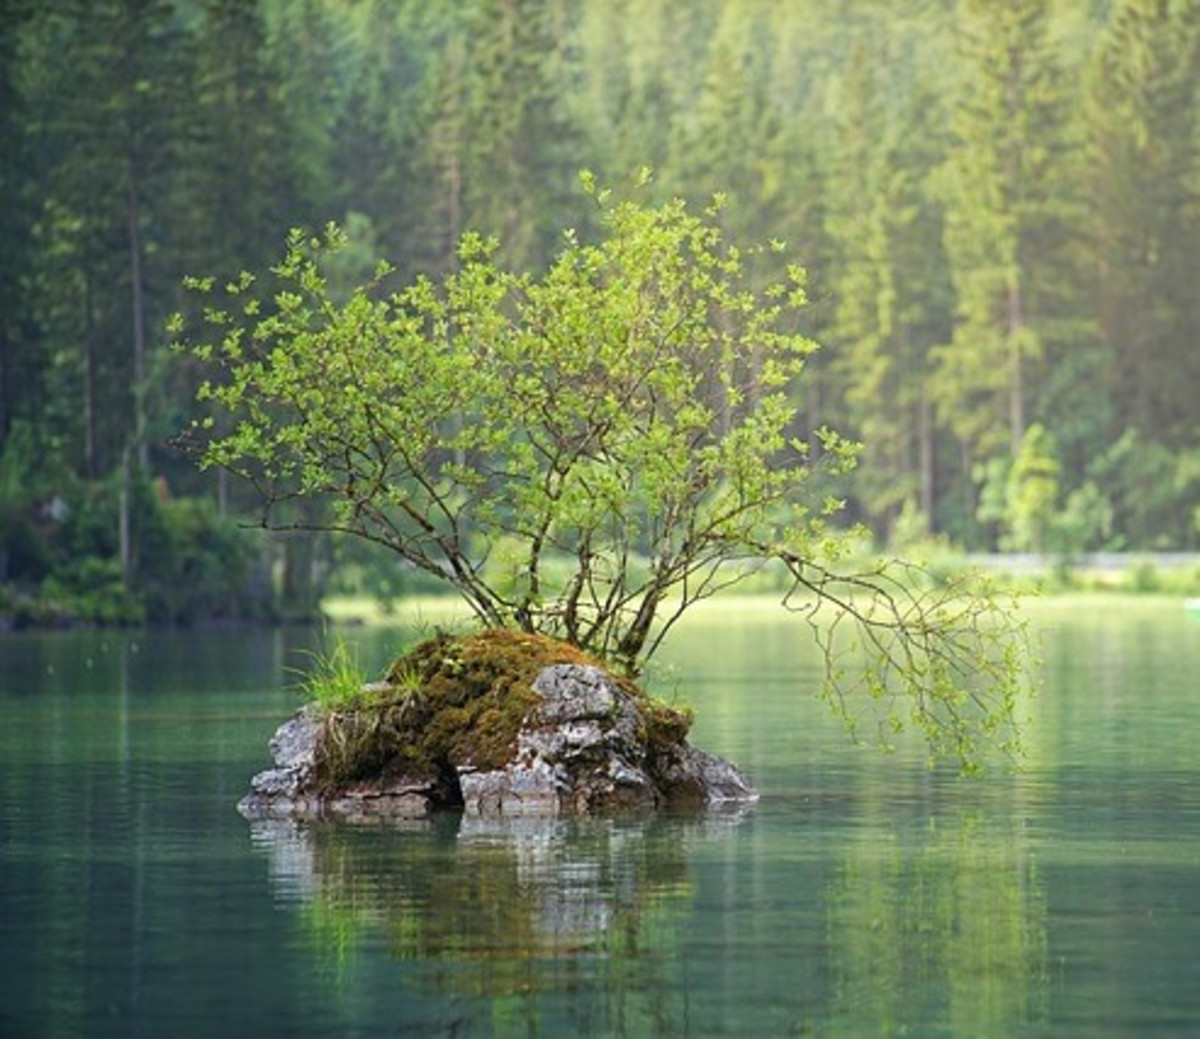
x=457, y=702
x=497, y=723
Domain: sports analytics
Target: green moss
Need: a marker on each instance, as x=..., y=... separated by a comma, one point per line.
x=665, y=725
x=452, y=701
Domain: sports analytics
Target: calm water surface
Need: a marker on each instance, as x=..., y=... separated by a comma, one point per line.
x=863, y=895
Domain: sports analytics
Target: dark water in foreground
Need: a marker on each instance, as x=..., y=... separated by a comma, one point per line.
x=862, y=896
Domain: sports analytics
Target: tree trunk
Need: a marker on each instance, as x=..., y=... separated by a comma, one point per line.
x=1016, y=390
x=141, y=445
x=928, y=479
x=6, y=389
x=124, y=535
x=634, y=639
x=298, y=594
x=90, y=448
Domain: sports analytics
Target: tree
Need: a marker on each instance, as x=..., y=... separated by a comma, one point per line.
x=1143, y=170
x=1032, y=492
x=20, y=371
x=518, y=153
x=1004, y=194
x=104, y=82
x=887, y=274
x=111, y=122
x=724, y=134
x=549, y=446
x=443, y=163
x=632, y=86
x=241, y=162
x=387, y=54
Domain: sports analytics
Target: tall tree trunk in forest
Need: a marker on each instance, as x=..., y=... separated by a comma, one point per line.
x=1142, y=128
x=124, y=531
x=1016, y=392
x=1005, y=186
x=452, y=179
x=927, y=460
x=90, y=448
x=141, y=445
x=299, y=600
x=6, y=391
x=300, y=586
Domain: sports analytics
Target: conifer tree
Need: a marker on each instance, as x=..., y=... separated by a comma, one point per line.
x=105, y=99
x=1003, y=193
x=1144, y=171
x=886, y=276
x=521, y=151
x=240, y=167
x=632, y=84
x=21, y=382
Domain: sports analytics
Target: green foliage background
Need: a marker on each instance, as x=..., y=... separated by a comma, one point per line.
x=995, y=204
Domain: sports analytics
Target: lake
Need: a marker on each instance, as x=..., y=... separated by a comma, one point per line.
x=863, y=895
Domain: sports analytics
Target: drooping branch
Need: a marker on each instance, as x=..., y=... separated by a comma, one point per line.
x=905, y=649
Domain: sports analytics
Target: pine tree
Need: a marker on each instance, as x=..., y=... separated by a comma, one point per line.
x=633, y=82
x=21, y=371
x=1003, y=190
x=886, y=275
x=379, y=108
x=721, y=139
x=241, y=179
x=442, y=163
x=104, y=92
x=1144, y=180
x=521, y=154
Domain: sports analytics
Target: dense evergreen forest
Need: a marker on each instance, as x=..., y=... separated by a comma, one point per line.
x=996, y=202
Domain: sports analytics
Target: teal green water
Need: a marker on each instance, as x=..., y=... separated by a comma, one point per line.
x=863, y=895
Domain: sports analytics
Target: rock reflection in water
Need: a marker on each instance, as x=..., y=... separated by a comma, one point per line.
x=469, y=887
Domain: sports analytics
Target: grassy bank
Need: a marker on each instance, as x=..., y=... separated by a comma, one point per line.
x=1099, y=577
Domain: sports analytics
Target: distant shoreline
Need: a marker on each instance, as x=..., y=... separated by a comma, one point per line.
x=1021, y=563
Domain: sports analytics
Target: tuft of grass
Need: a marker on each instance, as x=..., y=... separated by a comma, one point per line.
x=406, y=678
x=335, y=681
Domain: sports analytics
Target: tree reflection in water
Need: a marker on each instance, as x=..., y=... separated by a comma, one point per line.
x=667, y=925
x=946, y=925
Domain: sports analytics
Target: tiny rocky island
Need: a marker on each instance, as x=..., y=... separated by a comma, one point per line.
x=497, y=723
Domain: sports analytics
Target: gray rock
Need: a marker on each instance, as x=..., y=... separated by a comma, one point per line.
x=691, y=775
x=573, y=693
x=399, y=799
x=294, y=744
x=280, y=792
x=529, y=788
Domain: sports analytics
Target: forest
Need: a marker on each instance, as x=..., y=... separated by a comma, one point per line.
x=995, y=202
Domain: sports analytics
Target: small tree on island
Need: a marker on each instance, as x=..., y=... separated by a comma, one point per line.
x=588, y=453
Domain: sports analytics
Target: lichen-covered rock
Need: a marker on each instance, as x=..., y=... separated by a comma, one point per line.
x=578, y=751
x=532, y=788
x=539, y=736
x=280, y=790
x=689, y=775
x=289, y=789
